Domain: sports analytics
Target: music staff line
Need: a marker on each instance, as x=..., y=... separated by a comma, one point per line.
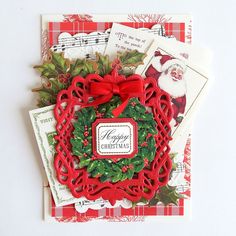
x=89, y=40
x=99, y=35
x=75, y=45
x=83, y=37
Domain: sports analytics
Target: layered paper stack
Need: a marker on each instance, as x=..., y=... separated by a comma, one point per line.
x=126, y=157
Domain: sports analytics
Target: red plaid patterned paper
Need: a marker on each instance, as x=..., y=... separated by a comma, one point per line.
x=56, y=28
x=68, y=213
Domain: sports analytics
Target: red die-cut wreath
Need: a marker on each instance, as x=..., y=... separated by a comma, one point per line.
x=147, y=181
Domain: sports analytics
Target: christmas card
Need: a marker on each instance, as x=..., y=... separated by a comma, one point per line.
x=114, y=143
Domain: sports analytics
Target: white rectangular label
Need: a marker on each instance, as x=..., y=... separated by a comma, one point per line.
x=115, y=138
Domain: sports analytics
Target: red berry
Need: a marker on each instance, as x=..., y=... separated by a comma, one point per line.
x=99, y=115
x=85, y=142
x=145, y=161
x=144, y=144
x=131, y=167
x=149, y=135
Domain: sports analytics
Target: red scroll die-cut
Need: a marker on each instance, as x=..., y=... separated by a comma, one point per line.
x=78, y=180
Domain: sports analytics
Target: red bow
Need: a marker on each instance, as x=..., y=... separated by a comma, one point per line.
x=103, y=91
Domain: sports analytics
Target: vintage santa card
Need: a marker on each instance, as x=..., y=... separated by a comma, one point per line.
x=114, y=141
x=185, y=83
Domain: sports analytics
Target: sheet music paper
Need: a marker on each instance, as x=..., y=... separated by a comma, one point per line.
x=83, y=45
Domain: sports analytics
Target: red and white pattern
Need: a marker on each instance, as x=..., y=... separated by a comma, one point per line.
x=56, y=28
x=68, y=213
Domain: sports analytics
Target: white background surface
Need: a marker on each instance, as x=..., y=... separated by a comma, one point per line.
x=214, y=158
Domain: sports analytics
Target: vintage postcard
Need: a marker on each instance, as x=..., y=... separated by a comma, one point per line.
x=186, y=84
x=123, y=38
x=43, y=122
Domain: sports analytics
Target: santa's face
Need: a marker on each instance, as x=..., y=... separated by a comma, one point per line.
x=176, y=73
x=172, y=81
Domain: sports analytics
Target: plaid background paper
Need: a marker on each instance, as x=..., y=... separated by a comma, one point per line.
x=56, y=28
x=68, y=213
x=138, y=213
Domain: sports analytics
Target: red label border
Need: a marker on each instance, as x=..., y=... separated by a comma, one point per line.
x=115, y=120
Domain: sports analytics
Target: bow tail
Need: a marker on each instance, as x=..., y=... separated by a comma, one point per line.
x=117, y=111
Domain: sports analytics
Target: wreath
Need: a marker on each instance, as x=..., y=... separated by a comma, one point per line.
x=57, y=74
x=114, y=170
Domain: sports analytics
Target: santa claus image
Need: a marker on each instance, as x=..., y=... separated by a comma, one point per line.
x=169, y=73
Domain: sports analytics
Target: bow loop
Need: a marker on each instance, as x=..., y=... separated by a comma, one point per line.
x=103, y=90
x=115, y=89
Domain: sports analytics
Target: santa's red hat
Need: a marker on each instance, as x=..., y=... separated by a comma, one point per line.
x=163, y=62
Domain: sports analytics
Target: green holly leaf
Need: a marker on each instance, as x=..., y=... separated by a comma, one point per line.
x=174, y=165
x=130, y=173
x=103, y=64
x=123, y=177
x=77, y=152
x=83, y=67
x=47, y=70
x=88, y=148
x=84, y=162
x=57, y=86
x=116, y=168
x=141, y=135
x=93, y=165
x=139, y=108
x=62, y=65
x=131, y=58
x=77, y=143
x=116, y=177
x=153, y=202
x=168, y=195
x=46, y=98
x=99, y=170
x=152, y=130
x=104, y=177
x=92, y=116
x=146, y=117
x=75, y=67
x=138, y=164
x=151, y=142
x=144, y=152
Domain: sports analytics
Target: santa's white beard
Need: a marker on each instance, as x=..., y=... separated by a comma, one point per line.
x=174, y=88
